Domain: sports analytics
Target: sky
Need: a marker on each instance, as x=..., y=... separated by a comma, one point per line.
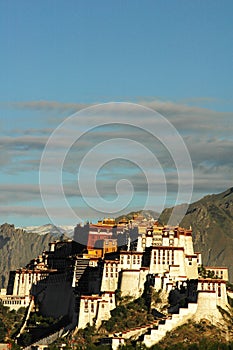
x=164, y=68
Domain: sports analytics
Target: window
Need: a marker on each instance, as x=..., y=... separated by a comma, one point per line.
x=155, y=253
x=163, y=257
x=86, y=306
x=92, y=306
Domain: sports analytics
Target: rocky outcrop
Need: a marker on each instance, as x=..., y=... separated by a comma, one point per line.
x=17, y=248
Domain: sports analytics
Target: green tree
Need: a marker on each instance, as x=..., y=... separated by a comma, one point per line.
x=3, y=331
x=26, y=339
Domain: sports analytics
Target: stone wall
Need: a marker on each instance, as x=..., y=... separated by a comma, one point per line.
x=56, y=300
x=158, y=333
x=129, y=283
x=207, y=307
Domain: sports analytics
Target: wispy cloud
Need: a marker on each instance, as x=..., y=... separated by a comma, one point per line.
x=207, y=134
x=45, y=105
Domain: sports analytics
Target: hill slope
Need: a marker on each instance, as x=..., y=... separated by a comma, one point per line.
x=17, y=248
x=211, y=219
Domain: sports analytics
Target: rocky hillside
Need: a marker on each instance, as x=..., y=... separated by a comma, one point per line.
x=56, y=231
x=211, y=219
x=18, y=248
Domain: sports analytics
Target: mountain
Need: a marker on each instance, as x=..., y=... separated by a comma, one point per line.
x=56, y=231
x=211, y=219
x=18, y=247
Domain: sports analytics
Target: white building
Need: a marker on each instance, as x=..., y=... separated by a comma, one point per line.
x=14, y=302
x=95, y=308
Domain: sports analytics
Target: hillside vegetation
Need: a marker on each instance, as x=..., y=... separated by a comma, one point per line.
x=190, y=336
x=10, y=322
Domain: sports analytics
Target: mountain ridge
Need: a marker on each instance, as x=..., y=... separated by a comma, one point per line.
x=211, y=219
x=67, y=230
x=18, y=247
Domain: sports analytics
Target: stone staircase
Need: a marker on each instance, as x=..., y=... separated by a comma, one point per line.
x=47, y=340
x=154, y=335
x=135, y=333
x=80, y=277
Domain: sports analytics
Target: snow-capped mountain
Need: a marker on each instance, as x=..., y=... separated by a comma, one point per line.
x=57, y=231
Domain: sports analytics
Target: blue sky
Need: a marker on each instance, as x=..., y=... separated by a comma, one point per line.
x=59, y=56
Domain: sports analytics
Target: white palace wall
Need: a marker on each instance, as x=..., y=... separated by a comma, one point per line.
x=110, y=276
x=132, y=282
x=95, y=308
x=207, y=307
x=24, y=279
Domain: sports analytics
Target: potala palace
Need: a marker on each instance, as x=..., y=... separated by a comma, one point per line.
x=79, y=278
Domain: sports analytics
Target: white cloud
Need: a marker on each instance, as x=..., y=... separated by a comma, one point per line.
x=207, y=134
